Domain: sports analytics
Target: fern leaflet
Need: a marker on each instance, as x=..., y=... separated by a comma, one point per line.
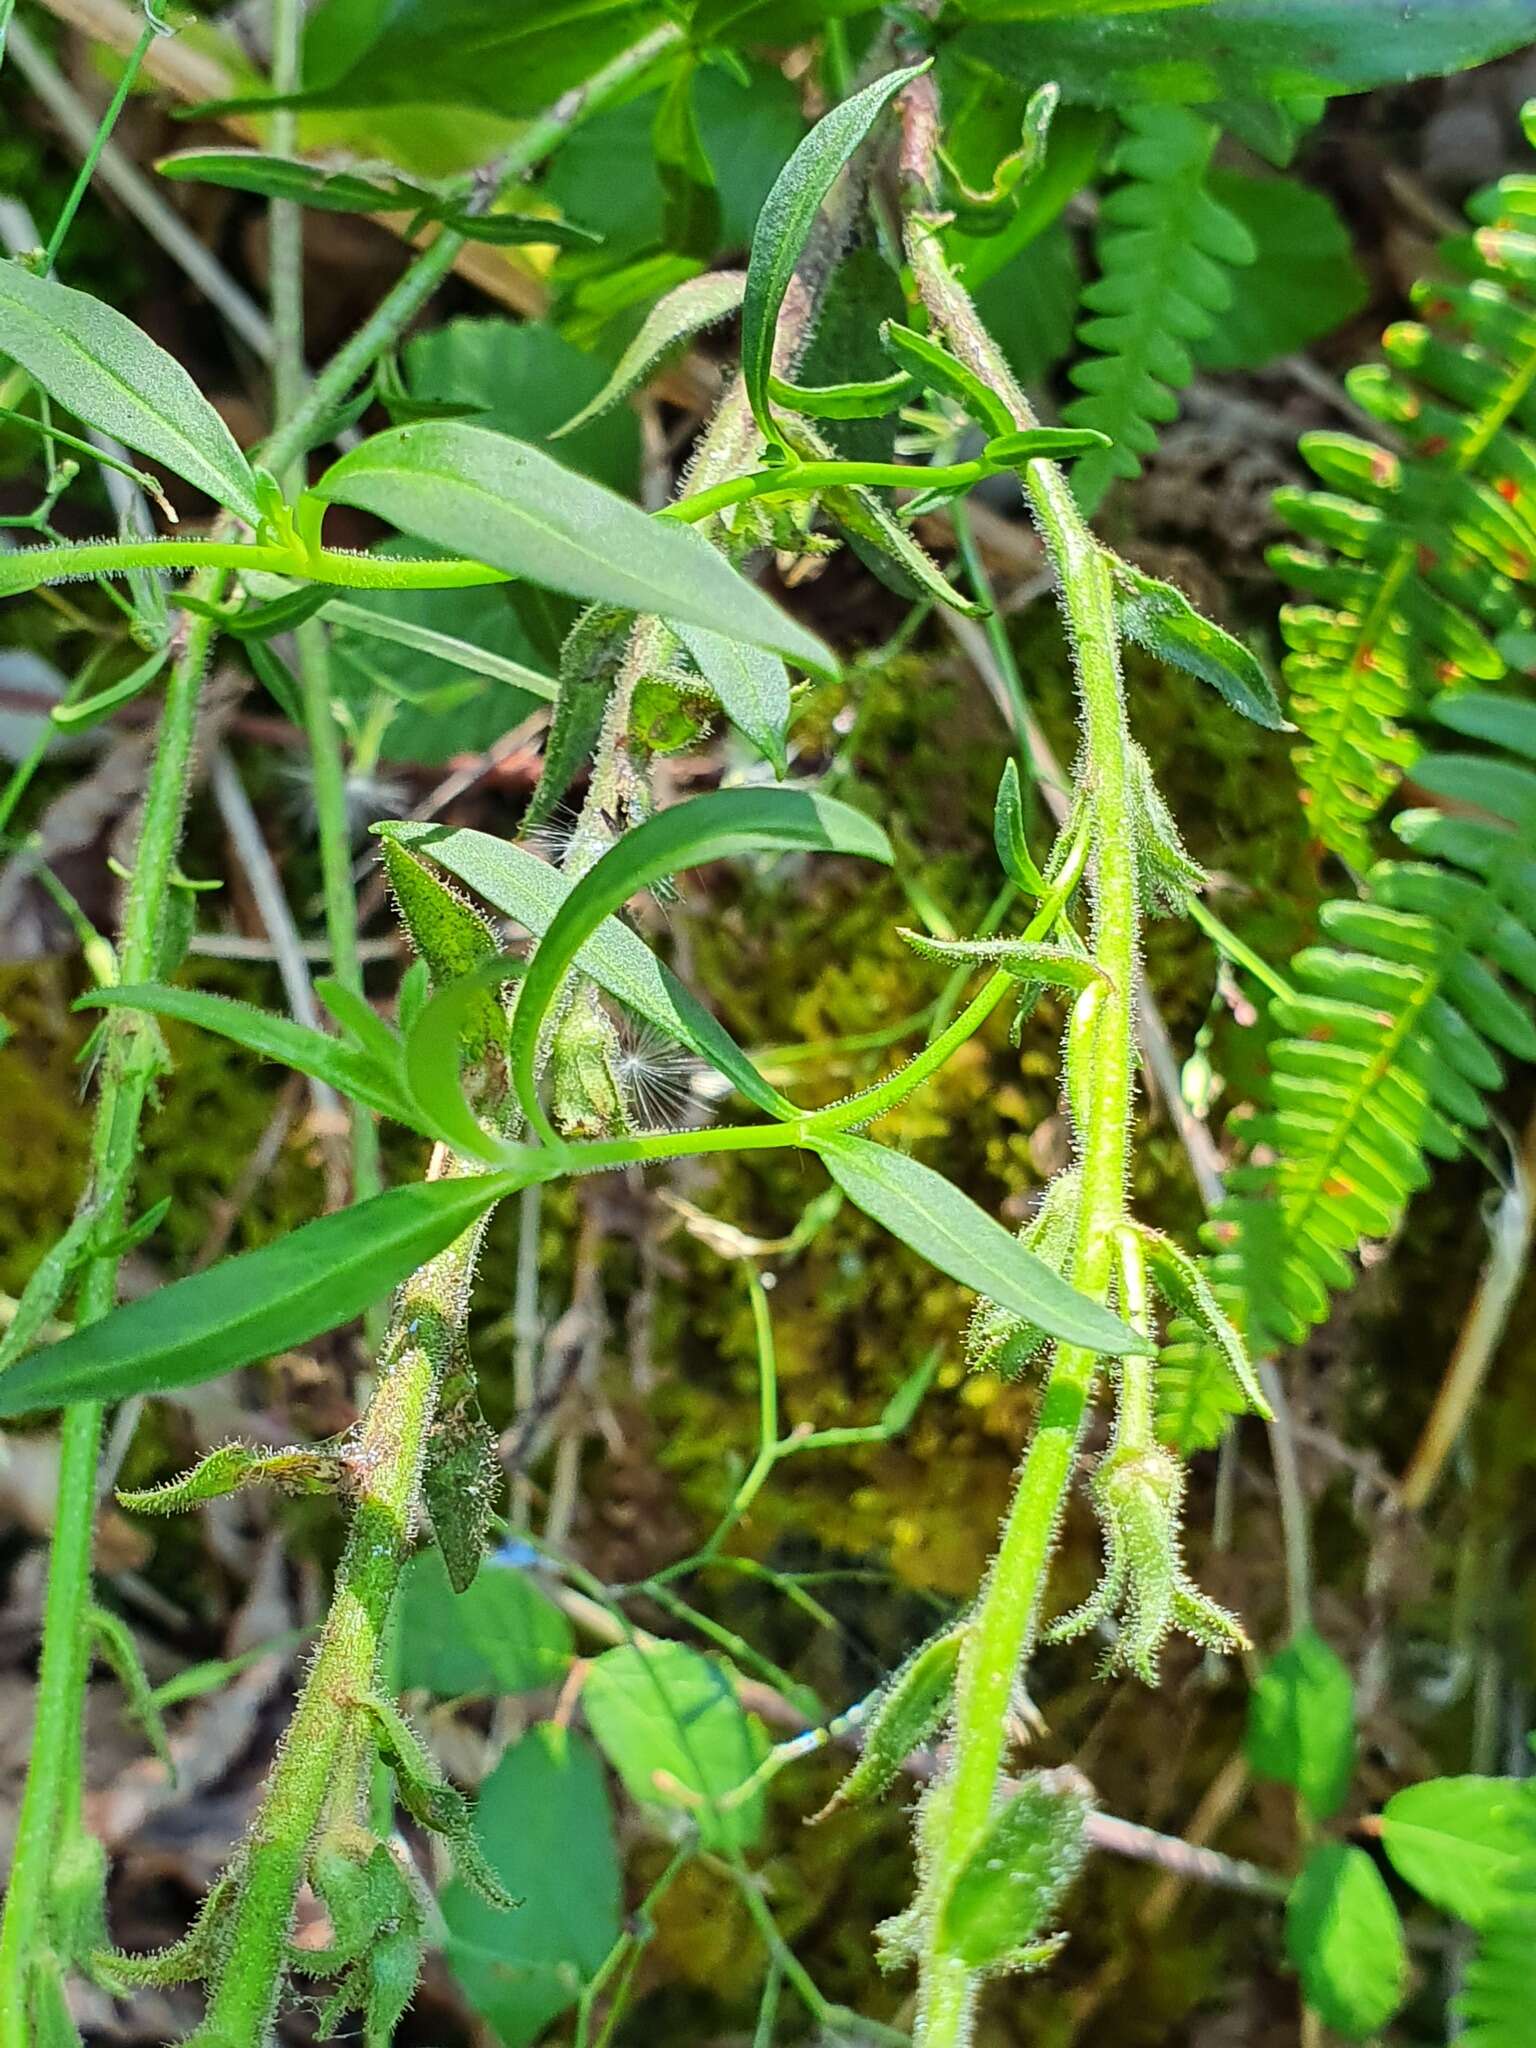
x=1165, y=250
x=1396, y=1031
x=1417, y=563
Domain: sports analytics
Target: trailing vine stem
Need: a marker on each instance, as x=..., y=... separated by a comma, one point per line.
x=49, y=1821
x=1004, y=1623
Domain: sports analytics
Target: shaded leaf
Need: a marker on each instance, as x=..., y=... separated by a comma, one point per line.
x=1301, y=1723
x=500, y=1635
x=753, y=688
x=1343, y=1934
x=106, y=371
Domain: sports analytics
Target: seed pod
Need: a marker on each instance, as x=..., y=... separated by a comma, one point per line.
x=1015, y=1877
x=907, y=1711
x=1082, y=1029
x=587, y=1097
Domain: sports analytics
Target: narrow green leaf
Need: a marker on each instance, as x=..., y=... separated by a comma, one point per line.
x=684, y=312
x=350, y=1071
x=525, y=888
x=1189, y=1294
x=107, y=372
x=753, y=688
x=786, y=219
x=1462, y=1842
x=946, y=1228
x=1027, y=960
x=590, y=656
x=85, y=712
x=929, y=361
x=505, y=503
x=403, y=632
x=910, y=1706
x=259, y=1303
x=233, y=1467
x=1301, y=1724
x=1050, y=444
x=1162, y=619
x=357, y=188
x=1009, y=837
x=1343, y=1934
x=716, y=827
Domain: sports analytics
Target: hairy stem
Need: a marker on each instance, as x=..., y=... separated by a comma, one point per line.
x=318, y=1774
x=1003, y=1625
x=50, y=1799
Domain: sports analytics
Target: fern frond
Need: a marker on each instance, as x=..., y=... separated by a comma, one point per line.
x=1165, y=250
x=1494, y=2004
x=1395, y=1033
x=1417, y=561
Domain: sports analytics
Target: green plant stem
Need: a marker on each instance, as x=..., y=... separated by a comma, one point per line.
x=51, y=1797
x=330, y=1725
x=1003, y=1624
x=29, y=567
x=52, y=1790
x=92, y=157
x=285, y=231
x=801, y=479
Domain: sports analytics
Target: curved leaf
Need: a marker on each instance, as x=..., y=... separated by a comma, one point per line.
x=786, y=219
x=715, y=827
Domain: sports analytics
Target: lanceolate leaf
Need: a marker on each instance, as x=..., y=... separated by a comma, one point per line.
x=353, y=189
x=525, y=888
x=1218, y=49
x=716, y=827
x=786, y=219
x=674, y=319
x=262, y=1302
x=752, y=686
x=343, y=1067
x=505, y=503
x=108, y=372
x=946, y=1228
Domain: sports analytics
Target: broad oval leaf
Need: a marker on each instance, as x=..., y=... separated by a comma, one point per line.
x=529, y=890
x=669, y=1722
x=1461, y=1841
x=752, y=686
x=505, y=503
x=1301, y=1723
x=500, y=1635
x=1010, y=1885
x=715, y=827
x=261, y=1302
x=1343, y=1934
x=108, y=372
x=543, y=1819
x=946, y=1228
x=1237, y=49
x=786, y=219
